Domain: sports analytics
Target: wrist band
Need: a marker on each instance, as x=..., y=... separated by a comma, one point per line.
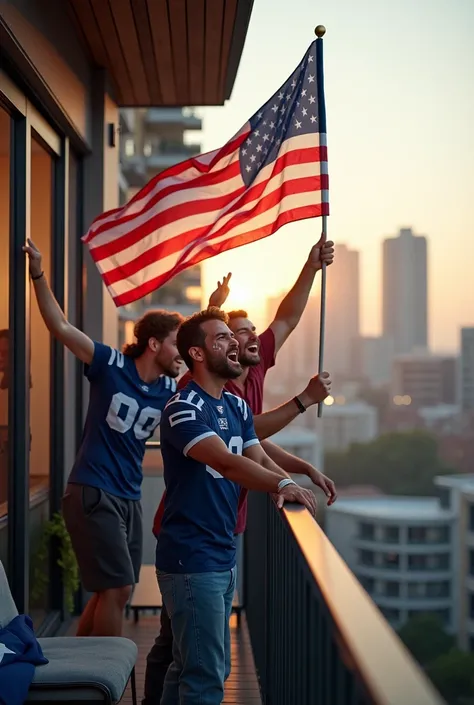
x=300, y=405
x=285, y=482
x=38, y=276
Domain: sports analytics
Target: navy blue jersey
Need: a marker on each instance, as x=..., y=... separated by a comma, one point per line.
x=197, y=530
x=122, y=415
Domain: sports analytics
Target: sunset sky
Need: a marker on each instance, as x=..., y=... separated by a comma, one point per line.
x=400, y=107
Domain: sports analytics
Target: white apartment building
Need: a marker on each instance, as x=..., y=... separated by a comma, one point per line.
x=303, y=443
x=347, y=423
x=457, y=495
x=401, y=550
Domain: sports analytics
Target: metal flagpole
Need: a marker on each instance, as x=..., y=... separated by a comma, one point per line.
x=320, y=31
x=322, y=315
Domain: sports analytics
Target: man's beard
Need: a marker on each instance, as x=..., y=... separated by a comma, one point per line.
x=222, y=367
x=247, y=361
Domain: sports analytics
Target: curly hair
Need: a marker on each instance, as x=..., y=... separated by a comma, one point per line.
x=154, y=324
x=239, y=313
x=191, y=334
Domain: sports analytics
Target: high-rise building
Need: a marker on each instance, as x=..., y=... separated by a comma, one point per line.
x=342, y=311
x=467, y=369
x=298, y=359
x=404, y=312
x=154, y=140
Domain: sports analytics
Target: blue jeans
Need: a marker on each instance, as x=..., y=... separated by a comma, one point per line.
x=199, y=606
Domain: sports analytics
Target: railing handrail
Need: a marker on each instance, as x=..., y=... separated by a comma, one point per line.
x=387, y=669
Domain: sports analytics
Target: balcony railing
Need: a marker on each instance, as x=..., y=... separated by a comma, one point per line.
x=317, y=637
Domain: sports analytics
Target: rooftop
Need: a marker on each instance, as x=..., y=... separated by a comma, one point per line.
x=464, y=483
x=398, y=508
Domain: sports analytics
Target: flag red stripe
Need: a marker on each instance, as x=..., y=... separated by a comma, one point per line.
x=230, y=244
x=154, y=254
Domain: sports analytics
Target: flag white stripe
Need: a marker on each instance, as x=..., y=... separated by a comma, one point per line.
x=216, y=219
x=154, y=270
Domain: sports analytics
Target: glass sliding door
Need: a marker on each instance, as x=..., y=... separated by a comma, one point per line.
x=5, y=166
x=41, y=229
x=39, y=198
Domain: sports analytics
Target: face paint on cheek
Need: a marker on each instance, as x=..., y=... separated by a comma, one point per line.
x=215, y=346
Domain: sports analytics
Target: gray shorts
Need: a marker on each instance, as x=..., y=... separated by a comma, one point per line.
x=106, y=534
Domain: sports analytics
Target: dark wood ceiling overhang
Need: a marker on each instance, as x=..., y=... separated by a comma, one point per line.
x=166, y=52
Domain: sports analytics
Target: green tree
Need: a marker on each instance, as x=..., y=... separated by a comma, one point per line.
x=397, y=463
x=426, y=639
x=453, y=675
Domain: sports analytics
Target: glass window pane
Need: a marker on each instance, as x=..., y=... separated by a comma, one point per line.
x=5, y=135
x=40, y=386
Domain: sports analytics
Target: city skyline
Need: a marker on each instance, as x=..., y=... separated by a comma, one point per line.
x=400, y=110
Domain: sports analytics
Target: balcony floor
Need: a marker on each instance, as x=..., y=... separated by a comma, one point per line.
x=241, y=687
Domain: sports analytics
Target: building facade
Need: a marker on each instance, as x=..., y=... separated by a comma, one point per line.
x=64, y=73
x=402, y=551
x=457, y=495
x=467, y=369
x=405, y=291
x=428, y=380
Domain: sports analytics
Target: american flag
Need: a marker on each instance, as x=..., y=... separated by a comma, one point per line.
x=272, y=172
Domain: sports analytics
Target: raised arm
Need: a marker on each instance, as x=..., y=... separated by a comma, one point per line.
x=270, y=422
x=254, y=470
x=291, y=308
x=77, y=341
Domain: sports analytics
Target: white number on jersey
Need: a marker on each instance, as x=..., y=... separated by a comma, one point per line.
x=143, y=427
x=236, y=445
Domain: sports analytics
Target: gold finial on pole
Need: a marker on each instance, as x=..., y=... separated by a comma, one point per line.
x=320, y=31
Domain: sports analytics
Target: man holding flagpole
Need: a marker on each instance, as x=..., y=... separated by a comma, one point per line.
x=257, y=355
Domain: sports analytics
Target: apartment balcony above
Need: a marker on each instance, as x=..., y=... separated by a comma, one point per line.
x=185, y=118
x=157, y=157
x=169, y=153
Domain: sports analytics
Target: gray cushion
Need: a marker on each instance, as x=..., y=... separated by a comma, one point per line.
x=95, y=665
x=8, y=610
